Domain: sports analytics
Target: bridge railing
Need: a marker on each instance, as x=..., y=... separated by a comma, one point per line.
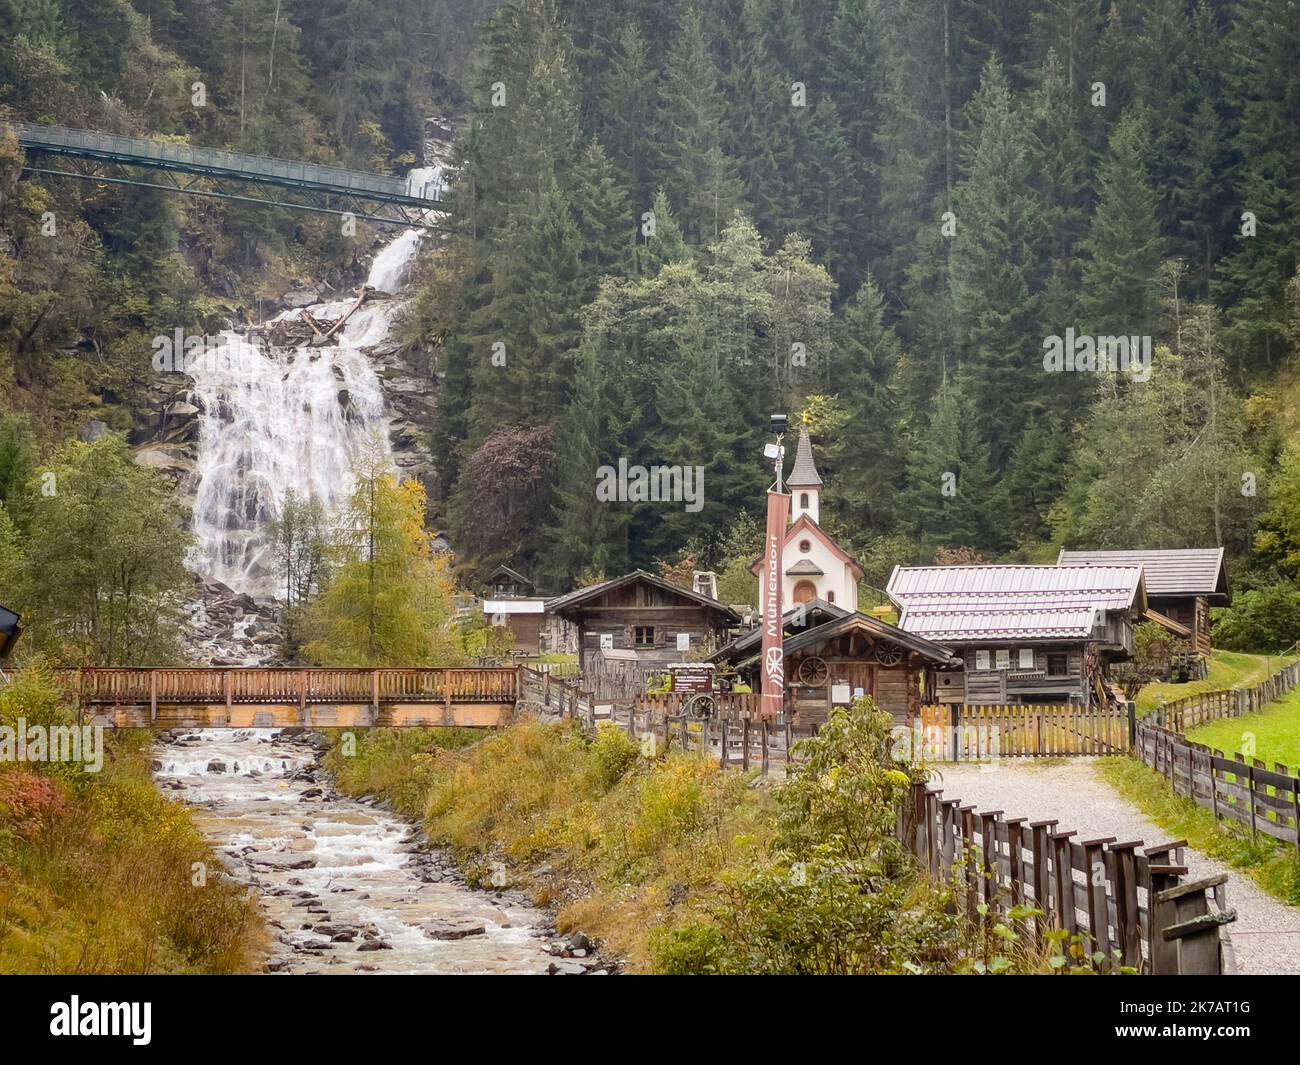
x=113, y=145
x=286, y=686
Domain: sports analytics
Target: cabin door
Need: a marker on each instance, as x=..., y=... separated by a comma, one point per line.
x=857, y=675
x=805, y=592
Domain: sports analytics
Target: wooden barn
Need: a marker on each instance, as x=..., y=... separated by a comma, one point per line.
x=1182, y=585
x=833, y=656
x=1025, y=634
x=639, y=612
x=511, y=603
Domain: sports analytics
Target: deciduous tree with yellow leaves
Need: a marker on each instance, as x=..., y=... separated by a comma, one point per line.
x=389, y=600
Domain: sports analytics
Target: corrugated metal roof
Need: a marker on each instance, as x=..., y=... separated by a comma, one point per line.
x=907, y=583
x=1042, y=624
x=1185, y=571
x=1011, y=602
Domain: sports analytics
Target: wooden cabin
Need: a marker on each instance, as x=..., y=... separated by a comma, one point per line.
x=1024, y=634
x=1182, y=585
x=505, y=583
x=511, y=603
x=833, y=656
x=645, y=614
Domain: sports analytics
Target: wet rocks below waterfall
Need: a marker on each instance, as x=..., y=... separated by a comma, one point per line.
x=345, y=884
x=229, y=628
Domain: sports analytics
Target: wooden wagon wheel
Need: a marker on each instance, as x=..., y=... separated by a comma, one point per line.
x=887, y=654
x=701, y=705
x=813, y=672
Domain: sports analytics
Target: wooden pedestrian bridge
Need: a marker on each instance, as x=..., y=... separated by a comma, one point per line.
x=273, y=697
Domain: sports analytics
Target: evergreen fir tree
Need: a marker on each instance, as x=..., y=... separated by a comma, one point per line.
x=603, y=216
x=537, y=288
x=1264, y=91
x=1120, y=295
x=623, y=118
x=997, y=272
x=691, y=165
x=950, y=499
x=866, y=453
x=667, y=245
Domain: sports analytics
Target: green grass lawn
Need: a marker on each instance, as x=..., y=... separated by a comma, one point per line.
x=1272, y=866
x=1272, y=735
x=1228, y=669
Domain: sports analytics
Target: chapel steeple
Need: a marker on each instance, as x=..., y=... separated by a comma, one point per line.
x=804, y=482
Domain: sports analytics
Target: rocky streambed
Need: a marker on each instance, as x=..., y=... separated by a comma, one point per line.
x=345, y=884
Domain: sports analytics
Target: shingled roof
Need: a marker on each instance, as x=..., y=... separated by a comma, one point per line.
x=1182, y=572
x=804, y=474
x=968, y=603
x=811, y=623
x=562, y=603
x=796, y=619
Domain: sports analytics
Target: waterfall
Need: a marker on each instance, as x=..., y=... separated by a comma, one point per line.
x=388, y=271
x=274, y=419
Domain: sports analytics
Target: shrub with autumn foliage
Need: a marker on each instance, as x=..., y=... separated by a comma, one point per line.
x=99, y=873
x=29, y=803
x=837, y=893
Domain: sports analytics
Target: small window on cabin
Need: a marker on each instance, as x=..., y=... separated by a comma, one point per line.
x=982, y=660
x=805, y=546
x=803, y=500
x=830, y=596
x=643, y=636
x=1058, y=664
x=1004, y=658
x=1026, y=658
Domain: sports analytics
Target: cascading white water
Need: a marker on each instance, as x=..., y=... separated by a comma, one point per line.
x=388, y=271
x=344, y=885
x=276, y=420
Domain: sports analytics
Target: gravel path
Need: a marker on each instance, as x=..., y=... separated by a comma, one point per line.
x=1266, y=934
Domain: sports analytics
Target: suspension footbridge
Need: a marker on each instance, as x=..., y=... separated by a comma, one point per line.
x=59, y=151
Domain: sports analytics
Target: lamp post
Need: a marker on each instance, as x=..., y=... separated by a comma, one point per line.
x=778, y=514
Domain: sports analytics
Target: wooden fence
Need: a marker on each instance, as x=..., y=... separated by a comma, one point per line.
x=551, y=695
x=725, y=704
x=733, y=734
x=1126, y=904
x=737, y=742
x=1187, y=713
x=620, y=680
x=951, y=732
x=570, y=670
x=1244, y=791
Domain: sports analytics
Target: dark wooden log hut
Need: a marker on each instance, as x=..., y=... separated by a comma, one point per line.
x=833, y=656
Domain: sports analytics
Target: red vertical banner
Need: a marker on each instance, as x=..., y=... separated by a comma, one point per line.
x=778, y=516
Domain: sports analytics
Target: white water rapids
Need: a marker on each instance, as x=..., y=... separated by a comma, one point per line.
x=344, y=885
